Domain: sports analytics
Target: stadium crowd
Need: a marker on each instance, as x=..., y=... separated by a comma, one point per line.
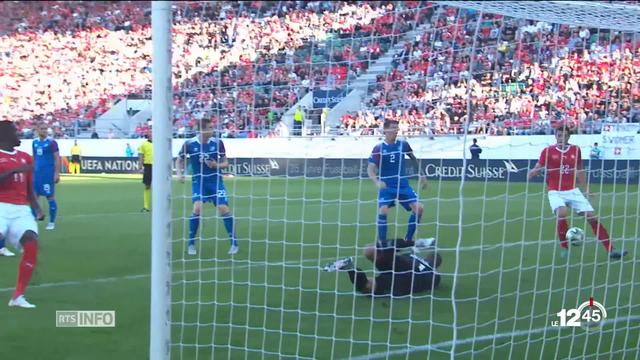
x=243, y=64
x=252, y=90
x=67, y=65
x=527, y=75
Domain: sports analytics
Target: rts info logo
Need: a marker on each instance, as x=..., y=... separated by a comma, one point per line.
x=588, y=315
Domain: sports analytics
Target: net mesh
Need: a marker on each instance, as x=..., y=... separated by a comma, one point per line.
x=444, y=70
x=619, y=15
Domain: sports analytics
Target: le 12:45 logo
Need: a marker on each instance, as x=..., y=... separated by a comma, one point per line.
x=589, y=314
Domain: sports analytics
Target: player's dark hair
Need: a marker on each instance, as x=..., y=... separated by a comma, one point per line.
x=564, y=128
x=203, y=123
x=388, y=122
x=6, y=130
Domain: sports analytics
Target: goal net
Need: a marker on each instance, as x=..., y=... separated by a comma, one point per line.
x=297, y=92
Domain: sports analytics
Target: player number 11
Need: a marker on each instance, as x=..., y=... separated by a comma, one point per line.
x=18, y=177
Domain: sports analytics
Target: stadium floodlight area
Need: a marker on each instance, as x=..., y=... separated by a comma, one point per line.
x=473, y=69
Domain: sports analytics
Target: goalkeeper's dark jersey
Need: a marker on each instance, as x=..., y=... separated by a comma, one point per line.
x=402, y=275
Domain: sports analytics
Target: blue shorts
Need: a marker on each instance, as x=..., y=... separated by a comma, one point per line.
x=209, y=192
x=44, y=186
x=405, y=196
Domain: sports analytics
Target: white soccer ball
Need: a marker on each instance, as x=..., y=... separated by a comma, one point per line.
x=575, y=235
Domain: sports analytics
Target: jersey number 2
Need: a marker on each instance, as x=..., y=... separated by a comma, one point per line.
x=392, y=158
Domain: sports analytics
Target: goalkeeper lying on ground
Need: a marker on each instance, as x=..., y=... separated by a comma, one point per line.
x=401, y=274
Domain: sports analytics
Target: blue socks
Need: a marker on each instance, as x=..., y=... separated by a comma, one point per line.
x=414, y=220
x=1, y=243
x=53, y=210
x=194, y=222
x=228, y=224
x=382, y=230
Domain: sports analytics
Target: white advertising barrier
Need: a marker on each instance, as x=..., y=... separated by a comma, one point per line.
x=618, y=141
x=493, y=147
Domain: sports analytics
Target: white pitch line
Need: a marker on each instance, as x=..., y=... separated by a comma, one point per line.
x=446, y=344
x=75, y=216
x=144, y=276
x=91, y=215
x=80, y=282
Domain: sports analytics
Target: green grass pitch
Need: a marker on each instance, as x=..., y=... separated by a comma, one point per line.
x=272, y=302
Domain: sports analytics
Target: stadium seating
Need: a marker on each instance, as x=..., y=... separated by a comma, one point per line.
x=89, y=71
x=524, y=80
x=243, y=64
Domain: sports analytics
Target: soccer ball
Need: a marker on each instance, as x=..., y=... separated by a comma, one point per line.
x=575, y=235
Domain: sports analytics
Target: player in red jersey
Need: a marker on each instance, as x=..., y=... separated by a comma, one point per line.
x=563, y=164
x=17, y=224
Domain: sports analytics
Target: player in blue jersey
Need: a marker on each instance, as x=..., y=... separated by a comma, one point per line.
x=46, y=158
x=207, y=157
x=387, y=170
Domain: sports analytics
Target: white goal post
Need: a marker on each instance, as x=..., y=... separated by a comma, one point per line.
x=161, y=233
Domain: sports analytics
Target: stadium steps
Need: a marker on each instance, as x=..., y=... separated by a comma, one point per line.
x=360, y=85
x=118, y=120
x=383, y=65
x=358, y=90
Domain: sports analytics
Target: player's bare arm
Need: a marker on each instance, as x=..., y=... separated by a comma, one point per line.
x=33, y=198
x=180, y=163
x=19, y=169
x=180, y=168
x=222, y=163
x=5, y=175
x=141, y=162
x=372, y=171
x=212, y=164
x=56, y=172
x=581, y=178
x=535, y=171
x=422, y=176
